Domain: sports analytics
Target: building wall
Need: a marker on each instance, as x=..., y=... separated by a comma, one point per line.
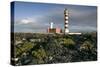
x=54, y=30
x=58, y=30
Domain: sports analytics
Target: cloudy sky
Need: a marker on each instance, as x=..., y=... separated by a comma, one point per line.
x=36, y=17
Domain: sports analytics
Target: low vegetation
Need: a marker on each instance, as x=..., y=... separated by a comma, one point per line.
x=38, y=48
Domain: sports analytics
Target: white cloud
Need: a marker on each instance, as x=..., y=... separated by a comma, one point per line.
x=26, y=21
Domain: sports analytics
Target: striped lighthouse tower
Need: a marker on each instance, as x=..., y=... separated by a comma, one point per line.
x=66, y=30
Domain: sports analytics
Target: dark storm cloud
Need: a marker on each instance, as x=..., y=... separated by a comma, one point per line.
x=83, y=17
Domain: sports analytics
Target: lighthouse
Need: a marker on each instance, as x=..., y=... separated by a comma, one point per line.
x=66, y=30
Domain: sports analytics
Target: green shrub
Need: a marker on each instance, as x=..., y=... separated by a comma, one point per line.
x=69, y=43
x=39, y=54
x=86, y=46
